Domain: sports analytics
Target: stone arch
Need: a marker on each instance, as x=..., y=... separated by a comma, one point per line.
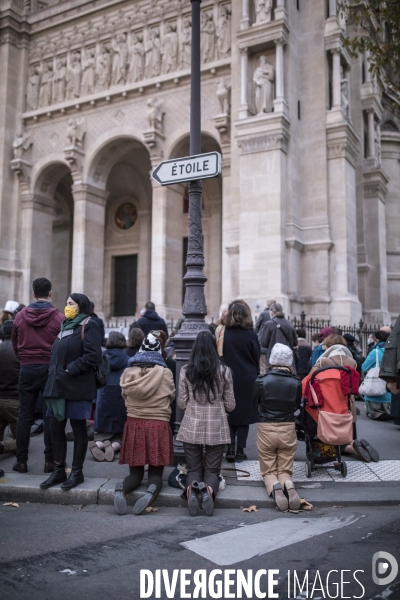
x=46, y=174
x=119, y=164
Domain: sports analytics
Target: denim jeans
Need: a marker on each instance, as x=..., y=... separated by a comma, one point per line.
x=32, y=381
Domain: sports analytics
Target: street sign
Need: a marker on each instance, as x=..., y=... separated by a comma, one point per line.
x=190, y=168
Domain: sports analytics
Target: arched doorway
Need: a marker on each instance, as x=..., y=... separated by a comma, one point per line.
x=212, y=225
x=122, y=168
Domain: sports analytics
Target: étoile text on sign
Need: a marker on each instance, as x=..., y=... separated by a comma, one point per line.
x=190, y=168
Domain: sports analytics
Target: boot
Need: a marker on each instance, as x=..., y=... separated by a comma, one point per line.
x=207, y=496
x=76, y=475
x=192, y=498
x=58, y=475
x=230, y=453
x=240, y=455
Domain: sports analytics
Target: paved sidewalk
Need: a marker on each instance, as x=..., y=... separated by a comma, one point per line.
x=376, y=483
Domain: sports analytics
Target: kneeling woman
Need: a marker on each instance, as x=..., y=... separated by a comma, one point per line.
x=148, y=389
x=206, y=394
x=71, y=387
x=277, y=396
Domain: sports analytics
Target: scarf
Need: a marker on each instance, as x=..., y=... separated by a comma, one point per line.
x=147, y=359
x=72, y=323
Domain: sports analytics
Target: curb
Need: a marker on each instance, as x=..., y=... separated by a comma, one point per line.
x=14, y=488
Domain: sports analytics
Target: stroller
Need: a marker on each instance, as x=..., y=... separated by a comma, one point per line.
x=326, y=389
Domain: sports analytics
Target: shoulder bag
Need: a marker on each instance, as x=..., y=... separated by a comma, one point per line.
x=373, y=385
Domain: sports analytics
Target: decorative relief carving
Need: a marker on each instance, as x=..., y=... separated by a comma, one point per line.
x=21, y=144
x=262, y=142
x=263, y=10
x=76, y=131
x=98, y=55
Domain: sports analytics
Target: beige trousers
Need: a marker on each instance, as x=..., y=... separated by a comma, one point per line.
x=263, y=364
x=276, y=445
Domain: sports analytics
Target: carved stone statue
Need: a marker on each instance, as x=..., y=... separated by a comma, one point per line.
x=186, y=43
x=74, y=71
x=32, y=97
x=155, y=53
x=119, y=61
x=88, y=72
x=263, y=80
x=59, y=80
x=344, y=97
x=76, y=132
x=136, y=54
x=103, y=68
x=223, y=95
x=46, y=85
x=170, y=49
x=263, y=10
x=21, y=144
x=207, y=32
x=155, y=114
x=224, y=33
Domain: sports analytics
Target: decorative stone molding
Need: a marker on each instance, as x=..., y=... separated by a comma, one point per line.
x=23, y=170
x=232, y=250
x=262, y=142
x=375, y=184
x=261, y=35
x=342, y=142
x=39, y=203
x=90, y=193
x=294, y=244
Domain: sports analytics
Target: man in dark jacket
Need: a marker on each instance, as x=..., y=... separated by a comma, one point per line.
x=278, y=330
x=356, y=352
x=150, y=321
x=390, y=366
x=9, y=398
x=34, y=331
x=263, y=317
x=304, y=352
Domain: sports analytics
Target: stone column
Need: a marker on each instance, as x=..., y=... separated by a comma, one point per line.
x=342, y=149
x=332, y=8
x=371, y=133
x=245, y=20
x=88, y=242
x=143, y=272
x=244, y=79
x=336, y=78
x=279, y=102
x=37, y=214
x=166, y=250
x=367, y=66
x=280, y=10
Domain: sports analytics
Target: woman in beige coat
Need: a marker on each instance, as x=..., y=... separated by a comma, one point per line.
x=206, y=394
x=148, y=389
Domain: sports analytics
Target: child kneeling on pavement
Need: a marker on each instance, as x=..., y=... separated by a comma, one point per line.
x=277, y=396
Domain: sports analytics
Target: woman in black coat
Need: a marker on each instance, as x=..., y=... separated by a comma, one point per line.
x=241, y=352
x=71, y=387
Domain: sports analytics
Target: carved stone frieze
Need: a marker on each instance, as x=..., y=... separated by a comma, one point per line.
x=262, y=142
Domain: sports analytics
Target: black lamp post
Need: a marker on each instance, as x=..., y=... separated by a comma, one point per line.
x=194, y=305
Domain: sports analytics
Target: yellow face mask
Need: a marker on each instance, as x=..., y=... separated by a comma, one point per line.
x=71, y=312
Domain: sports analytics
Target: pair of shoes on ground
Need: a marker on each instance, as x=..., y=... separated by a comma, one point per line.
x=365, y=451
x=23, y=467
x=104, y=450
x=231, y=456
x=140, y=505
x=207, y=498
x=286, y=497
x=59, y=476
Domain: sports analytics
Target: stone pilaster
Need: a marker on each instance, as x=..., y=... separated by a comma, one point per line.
x=88, y=242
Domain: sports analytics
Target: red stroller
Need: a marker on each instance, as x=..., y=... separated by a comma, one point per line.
x=325, y=419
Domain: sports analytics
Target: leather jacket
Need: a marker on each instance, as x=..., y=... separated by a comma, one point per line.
x=277, y=396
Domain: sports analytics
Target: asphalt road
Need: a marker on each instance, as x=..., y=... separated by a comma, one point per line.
x=106, y=552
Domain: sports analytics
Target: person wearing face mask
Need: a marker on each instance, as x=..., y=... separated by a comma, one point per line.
x=71, y=387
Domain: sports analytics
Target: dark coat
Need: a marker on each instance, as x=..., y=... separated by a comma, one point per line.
x=277, y=396
x=110, y=413
x=78, y=357
x=151, y=322
x=272, y=334
x=304, y=353
x=9, y=370
x=390, y=366
x=131, y=351
x=241, y=353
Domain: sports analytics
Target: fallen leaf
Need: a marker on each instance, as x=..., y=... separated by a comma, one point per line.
x=68, y=571
x=14, y=504
x=337, y=506
x=150, y=509
x=252, y=508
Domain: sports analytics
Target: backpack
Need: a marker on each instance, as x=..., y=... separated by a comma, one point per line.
x=102, y=371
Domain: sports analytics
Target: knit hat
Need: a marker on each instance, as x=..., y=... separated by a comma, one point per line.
x=325, y=331
x=150, y=344
x=281, y=355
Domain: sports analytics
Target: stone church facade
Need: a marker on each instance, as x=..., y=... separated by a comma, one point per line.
x=95, y=93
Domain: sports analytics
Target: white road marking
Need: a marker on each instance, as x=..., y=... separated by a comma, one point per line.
x=239, y=544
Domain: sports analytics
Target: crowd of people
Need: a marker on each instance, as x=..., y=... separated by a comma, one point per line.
x=62, y=367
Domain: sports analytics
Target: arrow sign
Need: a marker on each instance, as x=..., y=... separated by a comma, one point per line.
x=191, y=168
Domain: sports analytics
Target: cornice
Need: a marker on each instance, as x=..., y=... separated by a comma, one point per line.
x=342, y=141
x=262, y=34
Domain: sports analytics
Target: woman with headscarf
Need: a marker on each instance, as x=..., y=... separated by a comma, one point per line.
x=71, y=387
x=148, y=389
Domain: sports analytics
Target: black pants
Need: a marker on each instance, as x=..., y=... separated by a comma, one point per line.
x=32, y=381
x=209, y=470
x=136, y=474
x=59, y=436
x=241, y=432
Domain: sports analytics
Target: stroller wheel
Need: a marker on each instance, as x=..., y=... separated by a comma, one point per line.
x=308, y=469
x=343, y=469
